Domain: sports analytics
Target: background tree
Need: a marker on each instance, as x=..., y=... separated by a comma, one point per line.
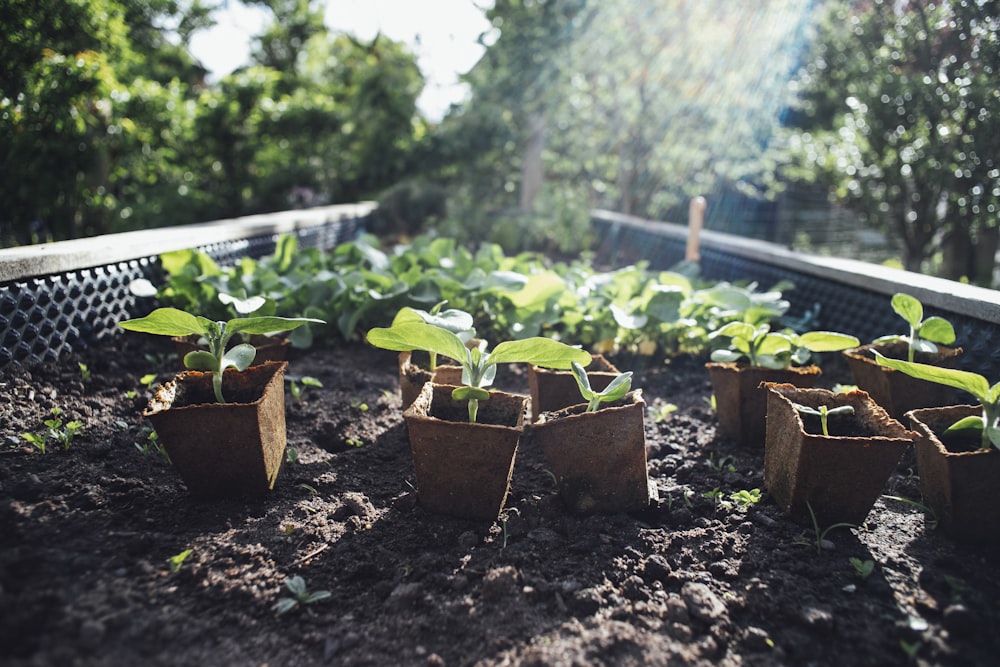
x=900, y=119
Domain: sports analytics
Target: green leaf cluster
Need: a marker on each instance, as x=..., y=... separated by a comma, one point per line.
x=988, y=424
x=924, y=333
x=763, y=348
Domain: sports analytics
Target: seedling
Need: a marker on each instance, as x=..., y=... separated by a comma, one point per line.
x=615, y=390
x=297, y=385
x=175, y=562
x=763, y=348
x=55, y=431
x=824, y=413
x=821, y=533
x=923, y=333
x=661, y=413
x=457, y=321
x=724, y=464
x=153, y=444
x=300, y=595
x=863, y=568
x=174, y=322
x=986, y=425
x=478, y=366
x=84, y=371
x=291, y=456
x=745, y=498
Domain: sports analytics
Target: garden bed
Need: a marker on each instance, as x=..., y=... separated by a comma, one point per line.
x=88, y=534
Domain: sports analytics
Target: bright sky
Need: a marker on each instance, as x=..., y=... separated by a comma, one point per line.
x=442, y=34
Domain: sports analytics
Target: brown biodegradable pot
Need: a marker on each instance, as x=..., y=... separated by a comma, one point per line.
x=894, y=390
x=463, y=469
x=269, y=348
x=840, y=475
x=598, y=458
x=224, y=450
x=553, y=390
x=740, y=403
x=958, y=479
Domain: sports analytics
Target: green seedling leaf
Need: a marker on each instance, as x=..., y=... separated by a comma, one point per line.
x=176, y=561
x=909, y=308
x=827, y=341
x=615, y=390
x=167, y=322
x=938, y=330
x=243, y=306
x=968, y=425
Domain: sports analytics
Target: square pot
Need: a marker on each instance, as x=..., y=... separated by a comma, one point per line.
x=598, y=458
x=224, y=450
x=463, y=469
x=553, y=390
x=840, y=475
x=957, y=480
x=741, y=403
x=894, y=390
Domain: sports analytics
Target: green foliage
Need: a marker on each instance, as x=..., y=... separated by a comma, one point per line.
x=300, y=595
x=411, y=332
x=988, y=424
x=745, y=497
x=217, y=334
x=766, y=349
x=615, y=390
x=862, y=568
x=176, y=561
x=923, y=333
x=55, y=432
x=899, y=119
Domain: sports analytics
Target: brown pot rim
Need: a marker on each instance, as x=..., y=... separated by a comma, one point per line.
x=576, y=412
x=743, y=366
x=416, y=411
x=876, y=413
x=166, y=392
x=917, y=419
x=862, y=354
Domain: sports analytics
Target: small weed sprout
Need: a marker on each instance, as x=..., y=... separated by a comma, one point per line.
x=745, y=497
x=724, y=464
x=717, y=497
x=613, y=392
x=291, y=455
x=175, y=562
x=824, y=414
x=923, y=333
x=298, y=384
x=661, y=413
x=84, y=371
x=863, y=568
x=153, y=444
x=55, y=432
x=300, y=595
x=821, y=533
x=147, y=380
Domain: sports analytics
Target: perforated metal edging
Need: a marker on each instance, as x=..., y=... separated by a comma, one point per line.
x=44, y=318
x=838, y=295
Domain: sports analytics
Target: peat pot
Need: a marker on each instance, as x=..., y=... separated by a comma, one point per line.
x=894, y=390
x=224, y=450
x=740, y=402
x=840, y=475
x=598, y=458
x=463, y=469
x=553, y=390
x=958, y=479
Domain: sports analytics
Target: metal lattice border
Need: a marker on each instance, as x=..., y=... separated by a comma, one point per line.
x=45, y=318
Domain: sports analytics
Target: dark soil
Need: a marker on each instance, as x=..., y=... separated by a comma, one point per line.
x=87, y=534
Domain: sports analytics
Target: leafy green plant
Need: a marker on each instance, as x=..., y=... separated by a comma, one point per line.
x=300, y=595
x=763, y=348
x=84, y=371
x=55, y=432
x=722, y=464
x=987, y=425
x=153, y=444
x=924, y=334
x=824, y=413
x=217, y=334
x=478, y=366
x=615, y=390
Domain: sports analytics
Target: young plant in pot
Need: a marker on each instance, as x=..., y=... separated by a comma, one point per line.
x=413, y=375
x=553, y=390
x=756, y=355
x=925, y=343
x=223, y=421
x=270, y=346
x=957, y=453
x=828, y=455
x=464, y=438
x=596, y=450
